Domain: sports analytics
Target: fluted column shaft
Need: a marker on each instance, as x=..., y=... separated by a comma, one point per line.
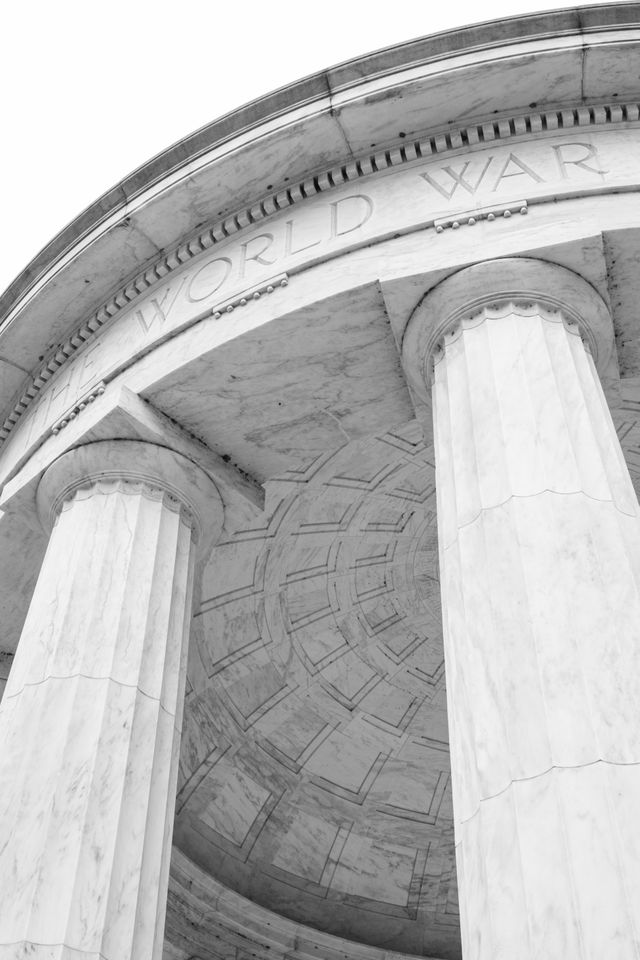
x=539, y=538
x=90, y=720
x=540, y=571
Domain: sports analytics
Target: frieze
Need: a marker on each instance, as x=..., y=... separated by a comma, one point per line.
x=423, y=194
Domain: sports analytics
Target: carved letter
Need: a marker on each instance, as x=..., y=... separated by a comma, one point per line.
x=338, y=229
x=523, y=170
x=288, y=242
x=256, y=257
x=213, y=275
x=38, y=418
x=589, y=153
x=88, y=360
x=49, y=407
x=161, y=308
x=458, y=178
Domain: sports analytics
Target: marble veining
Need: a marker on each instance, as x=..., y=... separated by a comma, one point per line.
x=539, y=533
x=249, y=301
x=90, y=721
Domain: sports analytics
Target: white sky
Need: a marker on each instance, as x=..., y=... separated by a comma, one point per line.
x=89, y=91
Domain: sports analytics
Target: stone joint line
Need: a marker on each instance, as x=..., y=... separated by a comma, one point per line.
x=98, y=955
x=84, y=676
x=543, y=773
x=528, y=496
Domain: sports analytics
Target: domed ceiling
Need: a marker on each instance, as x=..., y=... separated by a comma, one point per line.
x=314, y=772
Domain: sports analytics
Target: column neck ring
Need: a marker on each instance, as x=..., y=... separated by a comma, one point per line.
x=133, y=467
x=489, y=306
x=132, y=482
x=512, y=283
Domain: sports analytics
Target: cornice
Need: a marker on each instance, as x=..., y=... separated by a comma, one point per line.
x=515, y=32
x=528, y=125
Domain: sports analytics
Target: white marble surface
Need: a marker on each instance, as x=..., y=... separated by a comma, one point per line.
x=539, y=533
x=410, y=198
x=381, y=104
x=504, y=68
x=197, y=377
x=90, y=719
x=6, y=659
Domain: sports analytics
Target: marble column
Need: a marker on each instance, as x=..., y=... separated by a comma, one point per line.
x=90, y=719
x=539, y=535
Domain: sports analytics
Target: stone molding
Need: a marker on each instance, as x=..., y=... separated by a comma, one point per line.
x=129, y=485
x=135, y=468
x=588, y=29
x=574, y=324
x=79, y=406
x=440, y=142
x=226, y=917
x=492, y=287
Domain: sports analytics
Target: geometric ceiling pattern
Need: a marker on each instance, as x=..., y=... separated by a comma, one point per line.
x=314, y=771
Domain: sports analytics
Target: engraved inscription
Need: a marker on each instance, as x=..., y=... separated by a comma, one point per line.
x=349, y=214
x=208, y=279
x=451, y=179
x=255, y=256
x=160, y=307
x=493, y=179
x=513, y=166
x=204, y=284
x=495, y=171
x=582, y=155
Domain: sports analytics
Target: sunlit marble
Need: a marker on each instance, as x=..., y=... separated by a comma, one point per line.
x=90, y=720
x=539, y=533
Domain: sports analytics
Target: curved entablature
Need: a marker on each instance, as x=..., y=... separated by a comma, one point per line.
x=416, y=101
x=578, y=30
x=530, y=161
x=282, y=337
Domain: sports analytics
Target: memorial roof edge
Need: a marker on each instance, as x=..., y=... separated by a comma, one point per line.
x=573, y=21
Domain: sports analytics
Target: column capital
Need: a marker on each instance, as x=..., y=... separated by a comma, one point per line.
x=490, y=287
x=157, y=472
x=94, y=703
x=539, y=547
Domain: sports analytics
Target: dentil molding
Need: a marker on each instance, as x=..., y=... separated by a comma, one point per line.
x=499, y=131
